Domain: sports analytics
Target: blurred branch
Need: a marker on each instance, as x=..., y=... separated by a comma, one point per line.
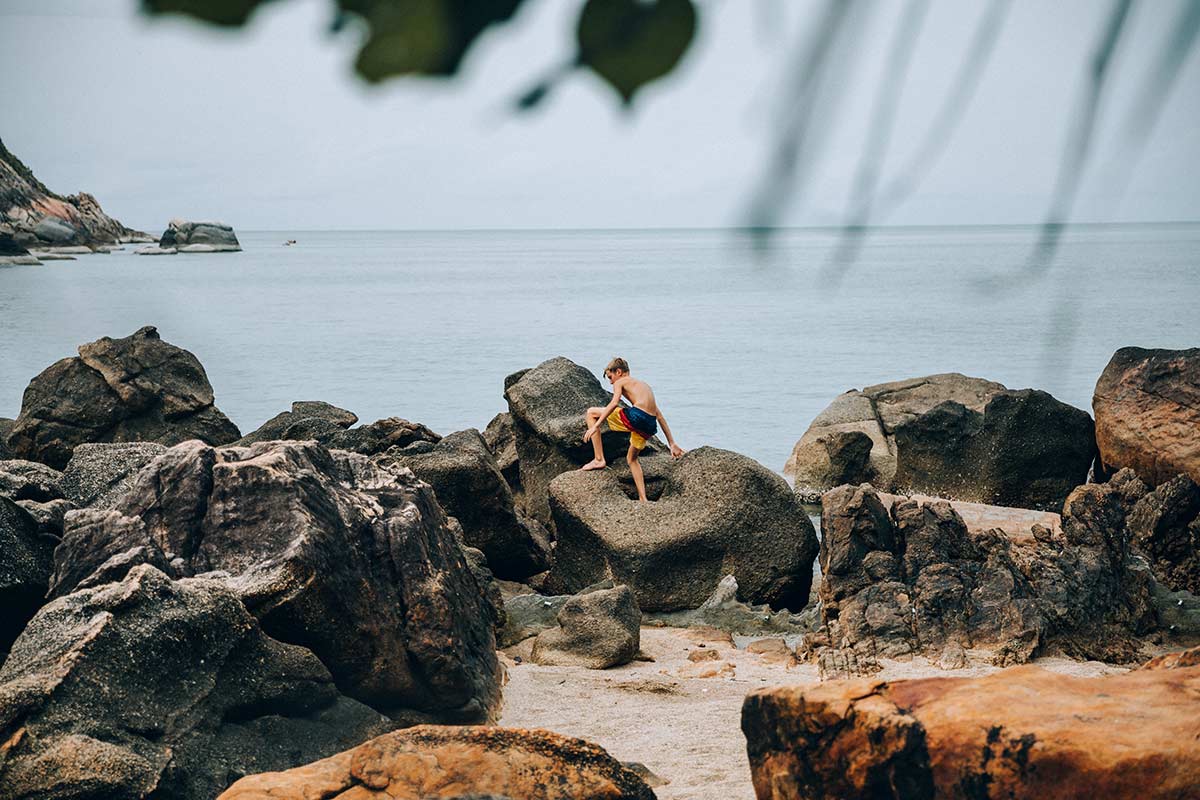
x=883, y=115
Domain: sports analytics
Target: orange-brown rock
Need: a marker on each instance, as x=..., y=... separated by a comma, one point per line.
x=432, y=761
x=1147, y=406
x=1019, y=733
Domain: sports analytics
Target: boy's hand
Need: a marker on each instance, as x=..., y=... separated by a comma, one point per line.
x=676, y=450
x=587, y=437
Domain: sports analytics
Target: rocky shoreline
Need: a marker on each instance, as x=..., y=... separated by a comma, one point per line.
x=191, y=606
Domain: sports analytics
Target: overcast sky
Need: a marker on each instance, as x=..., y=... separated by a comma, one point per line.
x=268, y=128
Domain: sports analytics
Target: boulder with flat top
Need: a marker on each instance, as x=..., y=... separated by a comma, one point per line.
x=713, y=513
x=948, y=435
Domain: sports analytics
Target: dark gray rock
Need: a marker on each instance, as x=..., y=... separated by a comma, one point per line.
x=470, y=487
x=365, y=439
x=277, y=426
x=30, y=480
x=26, y=559
x=10, y=245
x=1025, y=450
x=157, y=688
x=6, y=426
x=212, y=236
x=913, y=579
x=98, y=475
x=1165, y=525
x=713, y=513
x=136, y=389
x=503, y=443
x=50, y=515
x=597, y=630
x=354, y=562
x=548, y=405
x=948, y=435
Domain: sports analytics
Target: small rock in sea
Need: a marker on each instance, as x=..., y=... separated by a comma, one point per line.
x=155, y=250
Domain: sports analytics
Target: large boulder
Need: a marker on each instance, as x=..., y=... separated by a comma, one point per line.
x=470, y=487
x=199, y=237
x=169, y=689
x=1147, y=406
x=1165, y=526
x=365, y=439
x=548, y=405
x=948, y=435
x=502, y=441
x=913, y=579
x=597, y=630
x=714, y=513
x=328, y=551
x=99, y=474
x=431, y=762
x=26, y=559
x=30, y=480
x=1022, y=733
x=277, y=426
x=135, y=389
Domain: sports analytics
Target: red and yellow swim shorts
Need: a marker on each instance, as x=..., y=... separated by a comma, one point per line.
x=637, y=423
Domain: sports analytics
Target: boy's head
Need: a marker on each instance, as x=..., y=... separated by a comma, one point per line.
x=616, y=368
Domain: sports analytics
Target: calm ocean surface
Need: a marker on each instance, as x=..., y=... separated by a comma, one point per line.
x=742, y=351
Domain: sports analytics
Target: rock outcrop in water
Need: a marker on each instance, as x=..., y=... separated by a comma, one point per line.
x=714, y=513
x=430, y=762
x=149, y=687
x=354, y=562
x=1021, y=733
x=1147, y=406
x=32, y=216
x=135, y=389
x=913, y=579
x=185, y=236
x=949, y=436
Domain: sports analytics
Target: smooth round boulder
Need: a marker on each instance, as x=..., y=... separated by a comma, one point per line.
x=713, y=513
x=1147, y=407
x=205, y=237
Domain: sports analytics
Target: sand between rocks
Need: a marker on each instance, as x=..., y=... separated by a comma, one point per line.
x=686, y=729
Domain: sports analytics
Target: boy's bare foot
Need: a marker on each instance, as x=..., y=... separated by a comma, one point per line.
x=595, y=463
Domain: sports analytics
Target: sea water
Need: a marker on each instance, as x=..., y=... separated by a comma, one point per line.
x=742, y=346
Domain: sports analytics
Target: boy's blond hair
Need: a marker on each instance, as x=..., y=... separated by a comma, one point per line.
x=617, y=364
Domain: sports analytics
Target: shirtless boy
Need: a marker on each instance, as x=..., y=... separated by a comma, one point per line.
x=640, y=422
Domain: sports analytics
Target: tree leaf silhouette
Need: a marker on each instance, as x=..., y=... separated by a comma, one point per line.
x=630, y=43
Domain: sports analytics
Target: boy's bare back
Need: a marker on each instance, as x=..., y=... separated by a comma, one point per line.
x=638, y=393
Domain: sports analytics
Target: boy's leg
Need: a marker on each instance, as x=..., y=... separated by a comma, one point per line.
x=593, y=414
x=635, y=468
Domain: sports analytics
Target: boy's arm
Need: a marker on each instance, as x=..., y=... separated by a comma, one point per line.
x=608, y=409
x=676, y=450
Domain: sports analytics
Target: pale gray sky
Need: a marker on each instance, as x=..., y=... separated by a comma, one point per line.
x=268, y=128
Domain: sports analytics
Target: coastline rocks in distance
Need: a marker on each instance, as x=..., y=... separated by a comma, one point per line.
x=598, y=629
x=913, y=579
x=26, y=560
x=154, y=687
x=469, y=486
x=948, y=435
x=199, y=237
x=455, y=763
x=713, y=513
x=328, y=551
x=1147, y=406
x=548, y=404
x=135, y=389
x=1022, y=733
